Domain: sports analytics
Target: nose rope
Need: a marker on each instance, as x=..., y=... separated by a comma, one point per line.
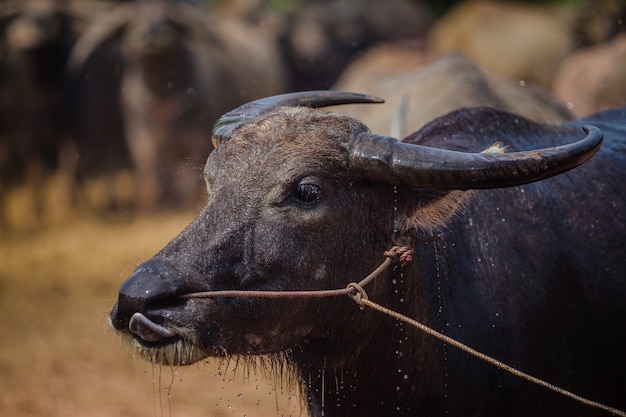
x=354, y=290
x=400, y=254
x=363, y=301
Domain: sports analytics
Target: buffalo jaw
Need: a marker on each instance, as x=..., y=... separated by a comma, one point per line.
x=184, y=345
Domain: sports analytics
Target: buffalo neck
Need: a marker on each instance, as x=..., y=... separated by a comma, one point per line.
x=345, y=377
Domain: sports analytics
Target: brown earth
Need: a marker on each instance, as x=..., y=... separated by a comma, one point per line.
x=57, y=354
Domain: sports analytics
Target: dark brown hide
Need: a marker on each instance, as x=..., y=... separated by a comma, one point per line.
x=532, y=275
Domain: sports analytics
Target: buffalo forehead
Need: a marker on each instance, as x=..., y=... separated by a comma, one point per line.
x=288, y=142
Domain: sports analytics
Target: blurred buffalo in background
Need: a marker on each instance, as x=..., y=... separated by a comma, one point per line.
x=507, y=55
x=154, y=76
x=418, y=89
x=110, y=104
x=593, y=78
x=526, y=42
x=321, y=37
x=36, y=40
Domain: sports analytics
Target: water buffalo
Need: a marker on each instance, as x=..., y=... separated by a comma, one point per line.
x=519, y=41
x=529, y=272
x=160, y=73
x=592, y=79
x=321, y=37
x=36, y=39
x=431, y=88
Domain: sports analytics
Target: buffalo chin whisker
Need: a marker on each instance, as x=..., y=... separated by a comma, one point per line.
x=176, y=353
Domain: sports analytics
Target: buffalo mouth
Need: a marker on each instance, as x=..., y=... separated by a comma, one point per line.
x=151, y=336
x=153, y=346
x=147, y=330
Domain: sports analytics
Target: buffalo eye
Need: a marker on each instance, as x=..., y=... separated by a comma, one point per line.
x=308, y=194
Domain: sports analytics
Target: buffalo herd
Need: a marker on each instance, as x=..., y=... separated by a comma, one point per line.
x=104, y=90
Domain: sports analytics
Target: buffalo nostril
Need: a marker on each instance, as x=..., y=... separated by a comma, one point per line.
x=124, y=310
x=150, y=280
x=149, y=283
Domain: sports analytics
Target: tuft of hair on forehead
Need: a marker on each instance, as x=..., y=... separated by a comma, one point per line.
x=280, y=123
x=287, y=139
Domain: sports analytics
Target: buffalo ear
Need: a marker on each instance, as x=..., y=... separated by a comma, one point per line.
x=431, y=208
x=427, y=210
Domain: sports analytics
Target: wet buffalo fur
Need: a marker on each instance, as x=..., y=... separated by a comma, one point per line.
x=532, y=275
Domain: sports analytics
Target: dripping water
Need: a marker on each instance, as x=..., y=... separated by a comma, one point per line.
x=154, y=390
x=395, y=202
x=323, y=387
x=442, y=325
x=158, y=389
x=168, y=389
x=265, y=375
x=402, y=337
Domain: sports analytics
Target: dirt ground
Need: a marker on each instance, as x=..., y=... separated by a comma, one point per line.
x=57, y=354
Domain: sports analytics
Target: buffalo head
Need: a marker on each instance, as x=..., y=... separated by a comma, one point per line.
x=302, y=199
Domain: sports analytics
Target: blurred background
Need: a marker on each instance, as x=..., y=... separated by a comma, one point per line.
x=106, y=109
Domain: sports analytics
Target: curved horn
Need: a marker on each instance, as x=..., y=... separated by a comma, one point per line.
x=385, y=159
x=224, y=127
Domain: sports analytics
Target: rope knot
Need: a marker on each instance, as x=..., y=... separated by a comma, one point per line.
x=357, y=293
x=402, y=254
